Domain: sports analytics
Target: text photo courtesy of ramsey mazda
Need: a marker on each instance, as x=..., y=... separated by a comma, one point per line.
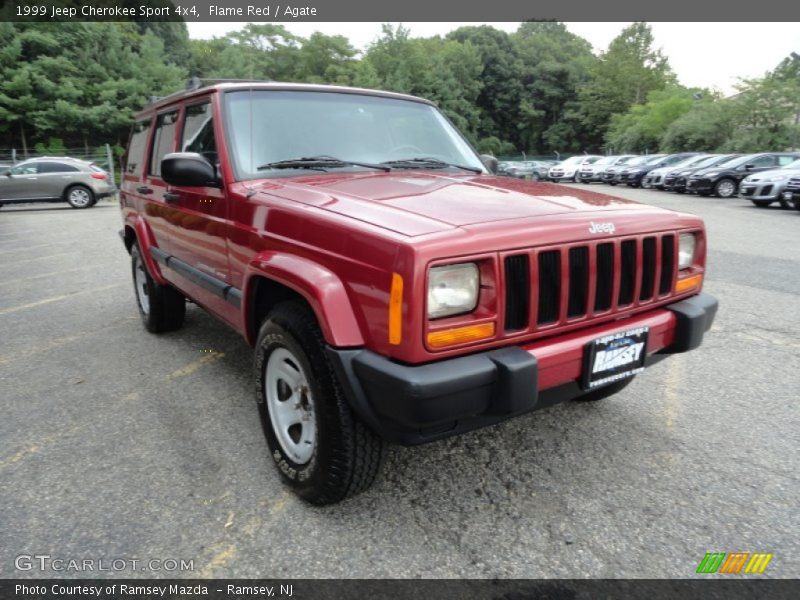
x=392, y=286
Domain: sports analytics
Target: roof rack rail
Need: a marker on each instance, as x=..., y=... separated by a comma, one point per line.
x=195, y=83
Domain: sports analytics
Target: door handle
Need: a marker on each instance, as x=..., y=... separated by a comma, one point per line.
x=143, y=189
x=171, y=197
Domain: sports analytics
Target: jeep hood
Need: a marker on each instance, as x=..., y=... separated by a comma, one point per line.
x=421, y=202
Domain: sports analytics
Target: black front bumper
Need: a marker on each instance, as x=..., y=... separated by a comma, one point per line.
x=699, y=185
x=417, y=404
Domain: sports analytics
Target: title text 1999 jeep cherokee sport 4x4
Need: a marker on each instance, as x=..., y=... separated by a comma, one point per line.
x=392, y=286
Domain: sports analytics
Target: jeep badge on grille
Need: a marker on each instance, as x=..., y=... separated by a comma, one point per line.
x=601, y=228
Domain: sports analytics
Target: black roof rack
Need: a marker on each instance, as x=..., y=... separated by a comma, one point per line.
x=195, y=83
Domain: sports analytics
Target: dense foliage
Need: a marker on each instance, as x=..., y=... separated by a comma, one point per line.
x=537, y=90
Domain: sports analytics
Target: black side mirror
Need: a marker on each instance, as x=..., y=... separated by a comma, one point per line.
x=188, y=169
x=748, y=167
x=490, y=162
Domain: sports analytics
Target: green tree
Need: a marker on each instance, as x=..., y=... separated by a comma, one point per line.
x=554, y=65
x=707, y=126
x=501, y=87
x=642, y=128
x=623, y=76
x=767, y=111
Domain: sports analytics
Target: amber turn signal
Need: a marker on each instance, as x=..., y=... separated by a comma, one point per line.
x=460, y=335
x=688, y=283
x=396, y=310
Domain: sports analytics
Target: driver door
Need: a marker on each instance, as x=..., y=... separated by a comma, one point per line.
x=198, y=215
x=19, y=183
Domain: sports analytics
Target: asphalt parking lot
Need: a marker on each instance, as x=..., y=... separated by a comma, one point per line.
x=115, y=443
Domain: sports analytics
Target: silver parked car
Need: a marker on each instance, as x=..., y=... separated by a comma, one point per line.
x=594, y=171
x=766, y=187
x=55, y=179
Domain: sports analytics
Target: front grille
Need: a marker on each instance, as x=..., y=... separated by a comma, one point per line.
x=627, y=272
x=552, y=286
x=578, y=281
x=667, y=263
x=605, y=277
x=648, y=268
x=794, y=184
x=518, y=285
x=549, y=286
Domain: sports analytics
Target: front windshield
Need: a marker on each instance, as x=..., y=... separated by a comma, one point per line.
x=654, y=159
x=710, y=161
x=735, y=162
x=606, y=160
x=267, y=126
x=637, y=160
x=690, y=161
x=573, y=160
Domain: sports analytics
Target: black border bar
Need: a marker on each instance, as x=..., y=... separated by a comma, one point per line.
x=700, y=588
x=478, y=11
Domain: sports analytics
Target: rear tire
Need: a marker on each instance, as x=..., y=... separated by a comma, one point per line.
x=606, y=391
x=161, y=307
x=331, y=454
x=79, y=196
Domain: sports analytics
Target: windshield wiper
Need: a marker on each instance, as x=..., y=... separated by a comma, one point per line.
x=319, y=162
x=428, y=163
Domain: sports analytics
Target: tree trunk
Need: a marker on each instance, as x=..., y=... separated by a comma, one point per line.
x=86, y=145
x=24, y=141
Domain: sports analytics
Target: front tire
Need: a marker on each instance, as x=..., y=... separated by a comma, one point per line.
x=725, y=188
x=161, y=307
x=765, y=203
x=320, y=447
x=80, y=196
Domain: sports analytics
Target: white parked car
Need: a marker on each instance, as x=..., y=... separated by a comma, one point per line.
x=567, y=170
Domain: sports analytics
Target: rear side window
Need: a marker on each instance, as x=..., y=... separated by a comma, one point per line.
x=162, y=140
x=136, y=146
x=198, y=132
x=786, y=160
x=54, y=167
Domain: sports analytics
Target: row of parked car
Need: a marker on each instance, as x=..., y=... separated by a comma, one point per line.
x=762, y=178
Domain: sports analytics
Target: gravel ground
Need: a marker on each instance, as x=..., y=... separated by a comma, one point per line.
x=115, y=443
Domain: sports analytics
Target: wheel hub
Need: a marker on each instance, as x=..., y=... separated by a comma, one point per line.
x=291, y=405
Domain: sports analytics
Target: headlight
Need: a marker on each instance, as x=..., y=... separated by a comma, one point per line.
x=686, y=246
x=452, y=290
x=568, y=173
x=776, y=178
x=710, y=175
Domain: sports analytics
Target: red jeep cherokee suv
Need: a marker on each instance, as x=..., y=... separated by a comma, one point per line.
x=392, y=286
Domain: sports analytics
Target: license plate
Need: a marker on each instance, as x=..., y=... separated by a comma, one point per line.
x=787, y=195
x=614, y=357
